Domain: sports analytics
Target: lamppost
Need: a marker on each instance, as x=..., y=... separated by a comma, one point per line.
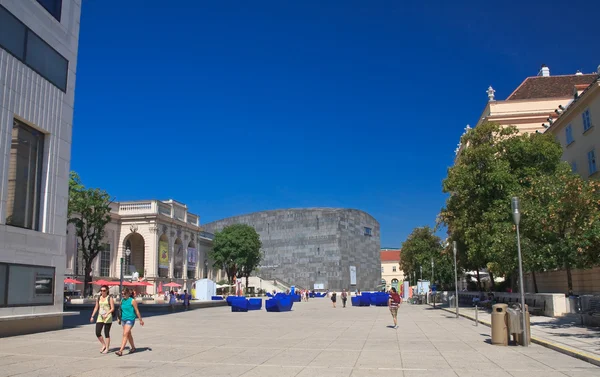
x=127, y=254
x=517, y=218
x=206, y=268
x=455, y=279
x=432, y=270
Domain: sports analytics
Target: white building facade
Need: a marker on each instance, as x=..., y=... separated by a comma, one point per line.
x=166, y=243
x=38, y=60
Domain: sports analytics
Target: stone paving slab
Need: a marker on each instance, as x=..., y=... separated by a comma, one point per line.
x=312, y=340
x=565, y=332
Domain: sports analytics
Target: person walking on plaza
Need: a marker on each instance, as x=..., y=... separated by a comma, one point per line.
x=344, y=298
x=333, y=298
x=186, y=299
x=105, y=306
x=129, y=312
x=393, y=303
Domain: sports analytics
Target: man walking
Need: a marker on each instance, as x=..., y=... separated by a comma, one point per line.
x=393, y=303
x=344, y=298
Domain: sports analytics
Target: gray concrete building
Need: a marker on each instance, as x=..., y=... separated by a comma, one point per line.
x=316, y=248
x=38, y=63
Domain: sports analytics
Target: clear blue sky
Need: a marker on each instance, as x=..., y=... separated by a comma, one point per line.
x=240, y=106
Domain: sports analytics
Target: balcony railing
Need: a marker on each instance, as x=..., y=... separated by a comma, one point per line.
x=170, y=209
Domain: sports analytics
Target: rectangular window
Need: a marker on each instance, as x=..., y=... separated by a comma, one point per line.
x=587, y=122
x=574, y=167
x=3, y=283
x=569, y=134
x=54, y=7
x=30, y=49
x=368, y=231
x=592, y=161
x=27, y=285
x=25, y=177
x=393, y=268
x=105, y=260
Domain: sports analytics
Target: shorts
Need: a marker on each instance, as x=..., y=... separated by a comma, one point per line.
x=394, y=312
x=128, y=322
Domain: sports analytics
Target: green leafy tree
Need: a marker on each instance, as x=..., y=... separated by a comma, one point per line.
x=236, y=249
x=89, y=212
x=561, y=221
x=422, y=247
x=494, y=165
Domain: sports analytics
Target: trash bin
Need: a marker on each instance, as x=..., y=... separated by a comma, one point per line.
x=499, y=325
x=514, y=324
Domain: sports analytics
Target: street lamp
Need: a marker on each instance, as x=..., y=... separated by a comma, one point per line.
x=127, y=254
x=206, y=268
x=432, y=270
x=517, y=218
x=455, y=279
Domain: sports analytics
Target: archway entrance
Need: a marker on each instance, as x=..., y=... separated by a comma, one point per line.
x=135, y=262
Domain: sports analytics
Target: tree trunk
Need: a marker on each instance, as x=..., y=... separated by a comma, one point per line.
x=88, y=278
x=569, y=278
x=478, y=281
x=247, y=277
x=492, y=283
x=535, y=286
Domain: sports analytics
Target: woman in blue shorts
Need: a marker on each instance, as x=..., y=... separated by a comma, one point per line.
x=129, y=310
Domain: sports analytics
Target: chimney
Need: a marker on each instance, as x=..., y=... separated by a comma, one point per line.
x=544, y=71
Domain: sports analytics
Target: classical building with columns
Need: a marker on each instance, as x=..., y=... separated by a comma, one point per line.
x=165, y=240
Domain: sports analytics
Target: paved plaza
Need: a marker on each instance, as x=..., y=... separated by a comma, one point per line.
x=312, y=340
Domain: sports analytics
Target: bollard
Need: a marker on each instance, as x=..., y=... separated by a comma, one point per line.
x=476, y=316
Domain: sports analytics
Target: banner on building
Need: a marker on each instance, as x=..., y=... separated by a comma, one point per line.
x=163, y=254
x=352, y=275
x=192, y=257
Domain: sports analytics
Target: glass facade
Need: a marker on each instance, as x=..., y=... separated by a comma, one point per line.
x=54, y=7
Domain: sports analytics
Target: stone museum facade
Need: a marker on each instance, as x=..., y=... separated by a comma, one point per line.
x=316, y=248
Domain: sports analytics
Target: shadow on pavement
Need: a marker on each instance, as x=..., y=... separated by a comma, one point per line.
x=84, y=316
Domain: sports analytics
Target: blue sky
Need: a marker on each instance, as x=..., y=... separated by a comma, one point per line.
x=239, y=106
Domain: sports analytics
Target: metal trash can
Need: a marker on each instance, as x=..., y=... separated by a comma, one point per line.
x=514, y=323
x=499, y=325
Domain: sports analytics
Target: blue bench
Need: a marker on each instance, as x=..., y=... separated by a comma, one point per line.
x=255, y=303
x=355, y=300
x=239, y=304
x=297, y=298
x=381, y=299
x=365, y=299
x=229, y=298
x=282, y=304
x=269, y=294
x=217, y=298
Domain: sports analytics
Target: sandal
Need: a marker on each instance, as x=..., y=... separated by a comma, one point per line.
x=103, y=349
x=119, y=353
x=132, y=350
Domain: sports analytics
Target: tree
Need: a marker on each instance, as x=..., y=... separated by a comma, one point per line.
x=561, y=221
x=236, y=249
x=420, y=248
x=89, y=212
x=494, y=165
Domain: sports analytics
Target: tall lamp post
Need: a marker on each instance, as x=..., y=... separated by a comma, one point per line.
x=517, y=218
x=455, y=279
x=432, y=276
x=127, y=254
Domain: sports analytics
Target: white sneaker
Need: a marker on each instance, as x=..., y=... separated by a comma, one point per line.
x=396, y=326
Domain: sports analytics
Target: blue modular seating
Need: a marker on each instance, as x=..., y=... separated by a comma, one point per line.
x=216, y=298
x=255, y=303
x=296, y=298
x=269, y=294
x=229, y=298
x=239, y=304
x=373, y=299
x=365, y=299
x=381, y=299
x=279, y=304
x=355, y=300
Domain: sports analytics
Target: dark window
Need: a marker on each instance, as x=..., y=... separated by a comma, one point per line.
x=26, y=46
x=54, y=7
x=23, y=285
x=25, y=177
x=105, y=260
x=47, y=62
x=12, y=34
x=368, y=231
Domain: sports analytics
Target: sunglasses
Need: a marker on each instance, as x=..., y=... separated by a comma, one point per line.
x=103, y=290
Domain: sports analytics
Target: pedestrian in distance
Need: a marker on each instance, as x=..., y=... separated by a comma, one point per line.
x=344, y=298
x=393, y=304
x=129, y=312
x=105, y=306
x=333, y=298
x=186, y=299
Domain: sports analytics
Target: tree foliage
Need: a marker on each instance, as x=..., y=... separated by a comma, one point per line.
x=495, y=164
x=236, y=249
x=418, y=251
x=561, y=221
x=89, y=212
